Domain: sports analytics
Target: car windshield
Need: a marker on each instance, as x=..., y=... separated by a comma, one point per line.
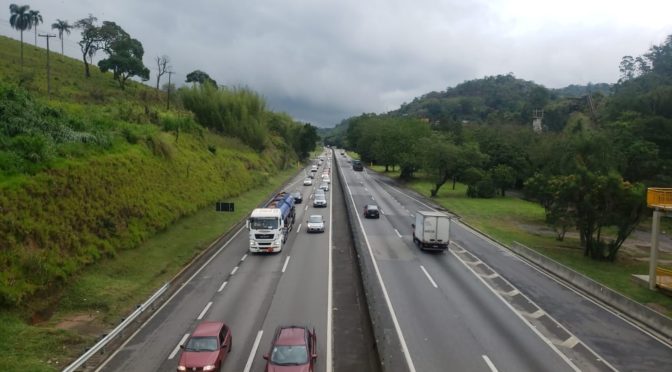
x=202, y=344
x=263, y=223
x=315, y=219
x=289, y=355
x=372, y=207
x=320, y=197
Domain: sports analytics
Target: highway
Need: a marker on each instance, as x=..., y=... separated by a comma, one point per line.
x=252, y=293
x=477, y=307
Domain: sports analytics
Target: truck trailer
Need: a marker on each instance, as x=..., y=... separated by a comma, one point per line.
x=431, y=230
x=269, y=226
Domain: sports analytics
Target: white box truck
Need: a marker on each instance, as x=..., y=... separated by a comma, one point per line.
x=431, y=230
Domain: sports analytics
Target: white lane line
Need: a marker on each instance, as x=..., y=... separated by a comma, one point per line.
x=235, y=269
x=429, y=277
x=244, y=257
x=204, y=310
x=489, y=363
x=306, y=208
x=404, y=347
x=284, y=267
x=397, y=231
x=372, y=198
x=330, y=290
x=177, y=348
x=255, y=346
x=170, y=299
x=381, y=211
x=222, y=287
x=298, y=229
x=518, y=314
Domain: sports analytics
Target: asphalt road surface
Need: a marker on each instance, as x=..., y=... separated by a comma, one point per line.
x=252, y=293
x=477, y=307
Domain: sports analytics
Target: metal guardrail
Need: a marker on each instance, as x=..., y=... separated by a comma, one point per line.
x=115, y=332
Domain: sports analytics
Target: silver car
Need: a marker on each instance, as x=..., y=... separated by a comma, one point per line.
x=315, y=223
x=320, y=201
x=324, y=186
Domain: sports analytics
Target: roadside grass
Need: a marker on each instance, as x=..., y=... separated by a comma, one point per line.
x=111, y=288
x=508, y=219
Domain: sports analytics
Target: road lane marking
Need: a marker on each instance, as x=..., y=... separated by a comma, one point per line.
x=255, y=346
x=404, y=347
x=235, y=269
x=489, y=363
x=372, y=198
x=177, y=348
x=429, y=277
x=204, y=310
x=398, y=234
x=534, y=329
x=170, y=299
x=306, y=208
x=330, y=290
x=222, y=287
x=284, y=267
x=244, y=257
x=298, y=229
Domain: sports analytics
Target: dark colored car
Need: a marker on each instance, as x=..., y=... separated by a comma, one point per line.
x=357, y=165
x=298, y=198
x=207, y=348
x=293, y=349
x=371, y=211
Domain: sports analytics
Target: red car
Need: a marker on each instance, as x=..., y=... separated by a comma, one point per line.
x=294, y=349
x=207, y=348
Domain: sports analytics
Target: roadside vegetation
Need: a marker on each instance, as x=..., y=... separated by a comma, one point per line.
x=105, y=192
x=510, y=218
x=574, y=188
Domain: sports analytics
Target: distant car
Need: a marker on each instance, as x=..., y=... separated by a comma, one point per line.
x=319, y=201
x=324, y=186
x=308, y=182
x=298, y=198
x=357, y=165
x=371, y=211
x=320, y=192
x=207, y=348
x=325, y=178
x=293, y=349
x=315, y=223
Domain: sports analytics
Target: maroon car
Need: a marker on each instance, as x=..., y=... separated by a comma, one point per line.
x=293, y=349
x=207, y=348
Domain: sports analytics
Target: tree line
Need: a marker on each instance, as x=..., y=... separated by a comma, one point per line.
x=590, y=172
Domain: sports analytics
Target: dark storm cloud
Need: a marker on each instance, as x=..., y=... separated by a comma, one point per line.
x=322, y=61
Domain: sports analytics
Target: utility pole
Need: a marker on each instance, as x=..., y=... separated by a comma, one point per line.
x=170, y=73
x=48, y=36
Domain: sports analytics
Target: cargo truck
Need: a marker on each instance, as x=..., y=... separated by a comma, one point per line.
x=431, y=230
x=269, y=226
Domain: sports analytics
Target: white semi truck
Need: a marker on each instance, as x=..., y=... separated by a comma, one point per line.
x=270, y=226
x=431, y=230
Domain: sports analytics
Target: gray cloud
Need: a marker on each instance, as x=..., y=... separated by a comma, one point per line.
x=323, y=61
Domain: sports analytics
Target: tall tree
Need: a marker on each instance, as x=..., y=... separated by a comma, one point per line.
x=20, y=20
x=124, y=54
x=91, y=39
x=162, y=68
x=198, y=76
x=62, y=27
x=35, y=20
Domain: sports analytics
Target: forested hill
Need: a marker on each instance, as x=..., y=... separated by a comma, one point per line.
x=501, y=99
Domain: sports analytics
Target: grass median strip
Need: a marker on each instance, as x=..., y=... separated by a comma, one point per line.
x=102, y=294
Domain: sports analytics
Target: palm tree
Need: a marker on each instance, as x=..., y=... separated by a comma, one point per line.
x=35, y=19
x=20, y=20
x=61, y=26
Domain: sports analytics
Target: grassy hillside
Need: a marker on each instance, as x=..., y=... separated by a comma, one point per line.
x=96, y=170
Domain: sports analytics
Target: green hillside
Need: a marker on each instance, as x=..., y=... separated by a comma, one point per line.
x=96, y=170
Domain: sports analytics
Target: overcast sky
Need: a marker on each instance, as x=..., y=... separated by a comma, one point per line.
x=325, y=60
